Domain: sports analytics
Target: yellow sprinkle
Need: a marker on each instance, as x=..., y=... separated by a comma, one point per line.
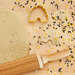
x=55, y=33
x=59, y=64
x=65, y=24
x=45, y=33
x=53, y=68
x=69, y=39
x=71, y=35
x=66, y=18
x=48, y=8
x=63, y=39
x=67, y=57
x=36, y=30
x=56, y=2
x=51, y=47
x=38, y=47
x=18, y=0
x=73, y=49
x=38, y=1
x=61, y=73
x=33, y=25
x=43, y=4
x=48, y=51
x=22, y=7
x=54, y=73
x=63, y=47
x=48, y=71
x=66, y=6
x=65, y=12
x=55, y=38
x=74, y=52
x=63, y=66
x=58, y=31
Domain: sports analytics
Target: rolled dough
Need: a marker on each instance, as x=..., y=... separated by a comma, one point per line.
x=13, y=36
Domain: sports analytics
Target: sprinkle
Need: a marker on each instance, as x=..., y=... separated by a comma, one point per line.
x=69, y=31
x=48, y=51
x=27, y=2
x=34, y=36
x=35, y=4
x=29, y=43
x=60, y=60
x=29, y=48
x=38, y=47
x=15, y=3
x=43, y=1
x=18, y=0
x=59, y=69
x=54, y=73
x=50, y=71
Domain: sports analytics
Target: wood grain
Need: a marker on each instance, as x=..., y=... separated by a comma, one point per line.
x=17, y=67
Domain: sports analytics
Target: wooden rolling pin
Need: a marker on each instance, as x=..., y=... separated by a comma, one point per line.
x=30, y=63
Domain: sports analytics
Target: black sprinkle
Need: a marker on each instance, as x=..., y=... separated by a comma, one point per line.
x=37, y=41
x=72, y=56
x=63, y=31
x=63, y=42
x=34, y=36
x=57, y=50
x=71, y=2
x=71, y=64
x=61, y=36
x=70, y=48
x=60, y=70
x=27, y=2
x=57, y=6
x=40, y=43
x=15, y=2
x=29, y=43
x=13, y=9
x=18, y=3
x=50, y=71
x=60, y=60
x=39, y=37
x=59, y=44
x=71, y=51
x=57, y=17
x=39, y=27
x=29, y=48
x=69, y=31
x=43, y=1
x=35, y=4
x=48, y=35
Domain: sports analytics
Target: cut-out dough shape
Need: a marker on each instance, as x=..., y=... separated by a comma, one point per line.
x=50, y=35
x=63, y=15
x=38, y=13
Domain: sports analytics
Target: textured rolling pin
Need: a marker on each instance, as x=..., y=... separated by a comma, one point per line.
x=30, y=63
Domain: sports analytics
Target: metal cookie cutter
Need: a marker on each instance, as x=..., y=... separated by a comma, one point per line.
x=38, y=17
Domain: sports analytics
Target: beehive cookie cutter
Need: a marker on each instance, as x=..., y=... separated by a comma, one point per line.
x=38, y=18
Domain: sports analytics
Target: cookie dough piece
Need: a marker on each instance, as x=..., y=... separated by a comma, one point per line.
x=50, y=35
x=34, y=14
x=13, y=36
x=62, y=15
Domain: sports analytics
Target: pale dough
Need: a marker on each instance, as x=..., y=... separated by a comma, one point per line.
x=50, y=35
x=13, y=36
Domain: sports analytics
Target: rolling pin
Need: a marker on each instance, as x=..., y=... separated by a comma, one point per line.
x=30, y=63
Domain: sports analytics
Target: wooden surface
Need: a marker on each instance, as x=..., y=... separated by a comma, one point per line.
x=51, y=66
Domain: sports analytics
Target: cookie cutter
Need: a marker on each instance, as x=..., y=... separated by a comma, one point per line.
x=38, y=18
